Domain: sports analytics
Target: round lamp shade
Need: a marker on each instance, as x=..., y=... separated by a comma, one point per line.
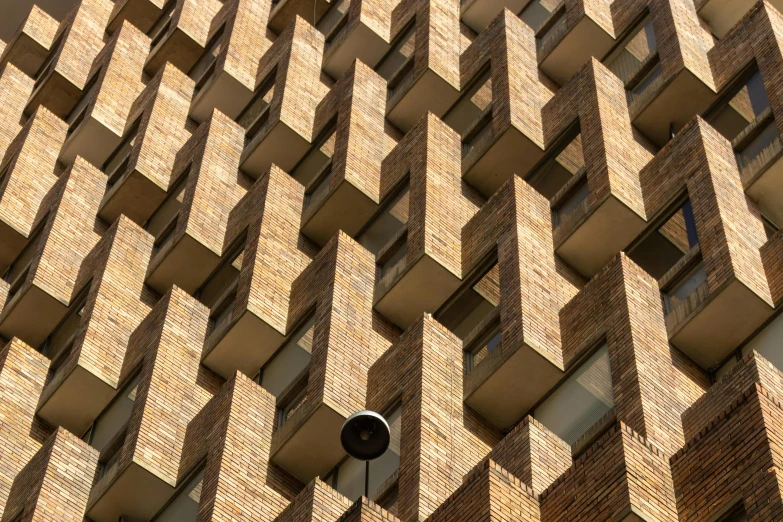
x=365, y=435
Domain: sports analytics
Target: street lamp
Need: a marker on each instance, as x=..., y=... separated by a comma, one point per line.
x=365, y=435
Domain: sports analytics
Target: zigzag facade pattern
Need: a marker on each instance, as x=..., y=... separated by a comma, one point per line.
x=541, y=237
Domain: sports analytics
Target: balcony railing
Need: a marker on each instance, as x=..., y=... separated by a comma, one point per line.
x=334, y=20
x=646, y=82
x=203, y=70
x=757, y=144
x=575, y=198
x=479, y=134
x=293, y=398
x=552, y=30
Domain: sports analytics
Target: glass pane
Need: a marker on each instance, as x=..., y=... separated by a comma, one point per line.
x=643, y=84
x=537, y=12
x=486, y=347
x=384, y=467
x=471, y=106
x=184, y=508
x=685, y=288
x=209, y=57
x=757, y=145
x=115, y=417
x=333, y=16
x=581, y=400
x=64, y=333
x=388, y=223
x=316, y=159
x=473, y=305
x=625, y=62
x=745, y=106
x=571, y=203
x=168, y=210
x=289, y=360
x=554, y=174
x=223, y=278
x=399, y=54
x=122, y=151
x=258, y=108
x=663, y=248
x=350, y=478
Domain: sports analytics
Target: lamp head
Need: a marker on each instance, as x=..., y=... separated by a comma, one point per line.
x=365, y=435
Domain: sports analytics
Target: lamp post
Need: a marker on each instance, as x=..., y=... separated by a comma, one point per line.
x=365, y=435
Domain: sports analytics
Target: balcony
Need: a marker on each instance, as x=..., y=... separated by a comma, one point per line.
x=141, y=13
x=283, y=12
x=29, y=49
x=759, y=153
x=348, y=38
x=490, y=155
x=331, y=208
x=588, y=235
x=659, y=105
x=299, y=424
x=279, y=131
x=707, y=324
x=493, y=385
x=413, y=91
x=477, y=14
x=403, y=275
x=216, y=88
x=34, y=306
x=53, y=90
x=722, y=15
x=125, y=185
x=182, y=44
x=307, y=441
x=563, y=48
x=30, y=312
x=73, y=396
x=178, y=257
x=225, y=349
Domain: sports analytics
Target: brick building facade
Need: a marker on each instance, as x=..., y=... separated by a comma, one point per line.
x=540, y=237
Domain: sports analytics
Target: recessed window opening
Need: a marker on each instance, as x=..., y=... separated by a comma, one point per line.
x=581, y=400
x=660, y=250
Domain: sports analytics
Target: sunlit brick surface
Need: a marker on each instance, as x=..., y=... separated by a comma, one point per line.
x=540, y=237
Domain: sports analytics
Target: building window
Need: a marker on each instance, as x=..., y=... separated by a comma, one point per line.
x=486, y=344
x=58, y=344
x=318, y=157
x=581, y=400
x=163, y=221
x=571, y=202
x=255, y=116
x=388, y=223
x=348, y=476
x=289, y=361
x=741, y=106
x=472, y=105
x=565, y=162
x=184, y=506
x=204, y=68
x=400, y=52
x=627, y=59
x=464, y=313
x=684, y=287
x=118, y=161
x=665, y=246
x=107, y=433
